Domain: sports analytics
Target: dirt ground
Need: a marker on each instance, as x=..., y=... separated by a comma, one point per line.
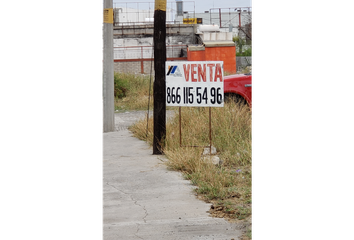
x=217, y=210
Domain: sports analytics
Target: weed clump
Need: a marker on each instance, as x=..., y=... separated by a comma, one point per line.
x=120, y=86
x=131, y=91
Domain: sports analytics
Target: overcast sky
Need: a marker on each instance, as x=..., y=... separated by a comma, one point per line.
x=200, y=5
x=205, y=5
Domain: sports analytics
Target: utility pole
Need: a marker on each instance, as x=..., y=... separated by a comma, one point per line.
x=108, y=72
x=160, y=76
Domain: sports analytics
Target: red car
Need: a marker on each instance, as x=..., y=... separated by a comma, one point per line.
x=239, y=88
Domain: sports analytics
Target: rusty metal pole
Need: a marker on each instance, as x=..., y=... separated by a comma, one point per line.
x=180, y=128
x=210, y=127
x=142, y=61
x=220, y=16
x=239, y=19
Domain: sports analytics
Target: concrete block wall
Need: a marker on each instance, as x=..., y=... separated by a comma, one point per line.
x=147, y=66
x=127, y=67
x=135, y=67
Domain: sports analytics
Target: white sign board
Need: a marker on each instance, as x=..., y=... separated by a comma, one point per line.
x=195, y=84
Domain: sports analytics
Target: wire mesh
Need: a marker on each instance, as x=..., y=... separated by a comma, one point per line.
x=147, y=52
x=143, y=12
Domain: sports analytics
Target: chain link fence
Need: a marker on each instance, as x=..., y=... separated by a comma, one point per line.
x=243, y=62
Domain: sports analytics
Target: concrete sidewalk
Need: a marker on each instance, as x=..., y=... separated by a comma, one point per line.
x=144, y=200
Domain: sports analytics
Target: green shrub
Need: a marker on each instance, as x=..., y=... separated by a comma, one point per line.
x=246, y=53
x=120, y=86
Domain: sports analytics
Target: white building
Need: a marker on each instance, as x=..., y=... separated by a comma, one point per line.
x=123, y=16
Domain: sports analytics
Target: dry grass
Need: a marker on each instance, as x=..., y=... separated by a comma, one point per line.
x=137, y=96
x=227, y=186
x=228, y=73
x=247, y=69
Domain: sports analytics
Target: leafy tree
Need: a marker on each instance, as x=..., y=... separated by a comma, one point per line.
x=239, y=43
